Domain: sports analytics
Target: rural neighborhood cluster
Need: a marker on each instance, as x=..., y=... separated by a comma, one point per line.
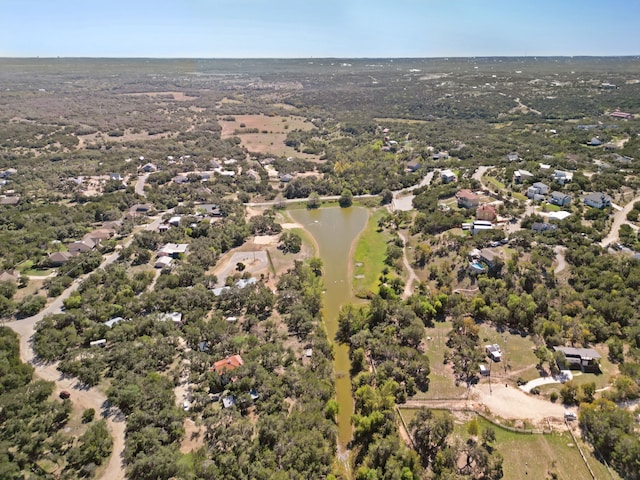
x=247, y=269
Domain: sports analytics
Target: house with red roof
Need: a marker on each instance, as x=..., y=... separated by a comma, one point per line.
x=227, y=364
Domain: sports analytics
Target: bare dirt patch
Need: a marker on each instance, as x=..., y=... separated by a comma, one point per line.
x=193, y=436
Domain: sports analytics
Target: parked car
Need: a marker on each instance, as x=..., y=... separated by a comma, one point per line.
x=570, y=416
x=64, y=395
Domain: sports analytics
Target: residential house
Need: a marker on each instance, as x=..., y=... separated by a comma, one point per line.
x=227, y=364
x=58, y=259
x=286, y=178
x=561, y=177
x=444, y=155
x=622, y=158
x=489, y=257
x=623, y=115
x=560, y=199
x=81, y=246
x=584, y=359
x=486, y=212
x=113, y=321
x=480, y=225
x=10, y=276
x=520, y=176
x=447, y=176
x=175, y=317
x=594, y=142
x=9, y=200
x=561, y=215
x=116, y=177
x=467, y=199
x=173, y=250
x=540, y=227
x=140, y=209
x=513, y=157
x=163, y=262
x=542, y=188
x=100, y=234
x=180, y=179
x=99, y=343
x=211, y=209
x=253, y=175
x=597, y=200
x=8, y=172
x=413, y=166
x=175, y=221
x=148, y=168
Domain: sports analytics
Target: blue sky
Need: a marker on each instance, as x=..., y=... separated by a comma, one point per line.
x=317, y=28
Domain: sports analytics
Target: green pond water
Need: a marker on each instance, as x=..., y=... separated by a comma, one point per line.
x=335, y=230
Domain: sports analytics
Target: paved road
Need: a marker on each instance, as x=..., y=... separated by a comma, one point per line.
x=619, y=217
x=562, y=263
x=479, y=173
x=299, y=200
x=140, y=184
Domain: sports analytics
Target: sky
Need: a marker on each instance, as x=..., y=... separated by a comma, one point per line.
x=317, y=28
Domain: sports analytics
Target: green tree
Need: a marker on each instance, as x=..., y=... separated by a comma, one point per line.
x=313, y=200
x=346, y=198
x=290, y=242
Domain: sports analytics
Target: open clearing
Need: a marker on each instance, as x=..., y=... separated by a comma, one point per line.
x=272, y=133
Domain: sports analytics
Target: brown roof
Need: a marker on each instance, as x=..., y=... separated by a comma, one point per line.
x=467, y=194
x=229, y=363
x=486, y=210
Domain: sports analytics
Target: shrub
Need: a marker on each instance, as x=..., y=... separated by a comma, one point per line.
x=554, y=397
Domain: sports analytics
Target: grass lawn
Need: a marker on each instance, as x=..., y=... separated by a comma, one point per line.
x=495, y=182
x=38, y=273
x=532, y=456
x=441, y=382
x=550, y=207
x=370, y=252
x=536, y=456
x=519, y=196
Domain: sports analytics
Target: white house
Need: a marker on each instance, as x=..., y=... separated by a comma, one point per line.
x=447, y=176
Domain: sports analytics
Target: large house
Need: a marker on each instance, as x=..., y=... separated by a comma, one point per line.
x=597, y=200
x=173, y=250
x=82, y=246
x=59, y=258
x=467, y=199
x=560, y=199
x=585, y=359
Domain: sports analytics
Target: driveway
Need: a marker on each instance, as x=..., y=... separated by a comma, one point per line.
x=619, y=217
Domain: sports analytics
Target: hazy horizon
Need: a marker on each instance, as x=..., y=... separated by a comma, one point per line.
x=289, y=29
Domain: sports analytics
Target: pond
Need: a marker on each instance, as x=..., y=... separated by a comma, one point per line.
x=335, y=230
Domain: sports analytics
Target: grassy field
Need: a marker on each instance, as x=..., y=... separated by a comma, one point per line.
x=532, y=456
x=272, y=132
x=369, y=254
x=536, y=456
x=518, y=357
x=495, y=182
x=441, y=384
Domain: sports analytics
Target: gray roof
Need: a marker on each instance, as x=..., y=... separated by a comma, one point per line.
x=578, y=352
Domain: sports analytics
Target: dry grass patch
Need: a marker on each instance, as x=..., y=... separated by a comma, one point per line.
x=272, y=133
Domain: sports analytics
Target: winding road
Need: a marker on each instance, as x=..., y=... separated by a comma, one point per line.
x=619, y=218
x=81, y=396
